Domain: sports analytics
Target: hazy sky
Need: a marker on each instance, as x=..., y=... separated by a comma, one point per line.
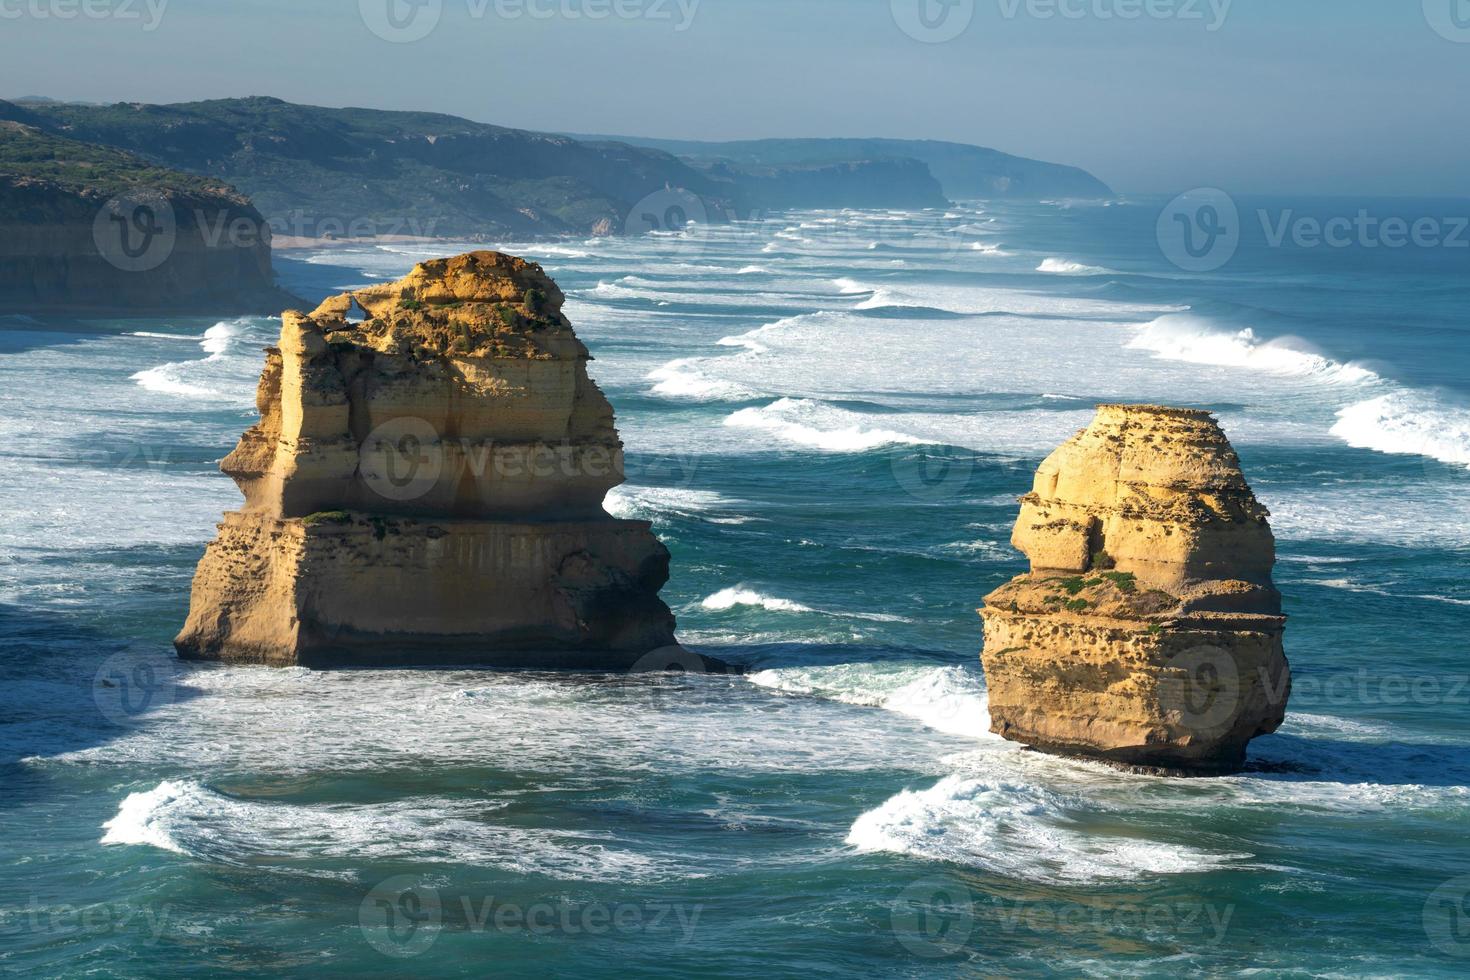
x=1295, y=96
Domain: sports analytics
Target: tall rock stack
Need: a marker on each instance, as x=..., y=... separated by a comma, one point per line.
x=1148, y=632
x=425, y=486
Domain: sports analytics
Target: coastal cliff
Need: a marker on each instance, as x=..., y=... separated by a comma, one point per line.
x=425, y=486
x=88, y=229
x=1148, y=631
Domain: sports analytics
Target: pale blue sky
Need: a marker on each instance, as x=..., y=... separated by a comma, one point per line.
x=1290, y=96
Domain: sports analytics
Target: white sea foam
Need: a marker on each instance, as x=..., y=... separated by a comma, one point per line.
x=807, y=423
x=755, y=340
x=1066, y=267
x=946, y=699
x=660, y=503
x=1407, y=422
x=1017, y=831
x=1183, y=337
x=218, y=377
x=988, y=248
x=682, y=379
x=188, y=818
x=740, y=596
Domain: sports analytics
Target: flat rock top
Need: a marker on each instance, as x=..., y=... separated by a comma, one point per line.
x=477, y=305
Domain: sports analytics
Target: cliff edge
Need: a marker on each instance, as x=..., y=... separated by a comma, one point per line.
x=89, y=229
x=1148, y=631
x=425, y=486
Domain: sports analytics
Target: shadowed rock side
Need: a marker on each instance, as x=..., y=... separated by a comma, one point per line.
x=1148, y=632
x=425, y=486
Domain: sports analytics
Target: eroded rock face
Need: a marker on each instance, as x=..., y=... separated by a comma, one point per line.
x=425, y=486
x=1148, y=632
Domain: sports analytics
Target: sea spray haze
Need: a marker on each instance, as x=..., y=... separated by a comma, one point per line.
x=827, y=420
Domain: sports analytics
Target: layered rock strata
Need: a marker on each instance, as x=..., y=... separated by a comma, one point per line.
x=425, y=486
x=90, y=230
x=1148, y=631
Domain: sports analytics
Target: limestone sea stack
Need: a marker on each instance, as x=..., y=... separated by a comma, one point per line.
x=1148, y=632
x=425, y=486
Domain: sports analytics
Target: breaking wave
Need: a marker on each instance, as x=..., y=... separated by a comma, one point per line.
x=1179, y=337
x=1065, y=267
x=946, y=699
x=808, y=423
x=1408, y=423
x=191, y=819
x=1018, y=831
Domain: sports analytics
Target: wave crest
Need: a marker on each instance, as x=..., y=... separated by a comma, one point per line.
x=1018, y=831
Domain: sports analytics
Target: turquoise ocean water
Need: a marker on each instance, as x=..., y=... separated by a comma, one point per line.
x=828, y=418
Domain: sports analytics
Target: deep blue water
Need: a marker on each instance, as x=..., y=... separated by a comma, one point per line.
x=828, y=418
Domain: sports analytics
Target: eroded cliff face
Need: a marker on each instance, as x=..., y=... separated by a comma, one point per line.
x=425, y=486
x=1148, y=631
x=88, y=229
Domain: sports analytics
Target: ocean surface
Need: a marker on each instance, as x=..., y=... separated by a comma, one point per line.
x=828, y=418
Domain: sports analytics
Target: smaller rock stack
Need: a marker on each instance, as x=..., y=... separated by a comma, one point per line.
x=1148, y=632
